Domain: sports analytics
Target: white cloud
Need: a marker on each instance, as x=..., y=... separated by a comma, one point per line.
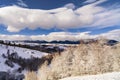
x=70, y=6
x=90, y=1
x=16, y=18
x=14, y=37
x=107, y=18
x=21, y=3
x=114, y=34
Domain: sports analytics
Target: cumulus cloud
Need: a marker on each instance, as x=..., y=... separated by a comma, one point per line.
x=61, y=36
x=114, y=34
x=91, y=15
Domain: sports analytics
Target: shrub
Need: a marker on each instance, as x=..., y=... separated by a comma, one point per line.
x=86, y=59
x=31, y=76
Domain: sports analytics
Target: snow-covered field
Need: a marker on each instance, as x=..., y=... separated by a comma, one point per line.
x=22, y=52
x=107, y=76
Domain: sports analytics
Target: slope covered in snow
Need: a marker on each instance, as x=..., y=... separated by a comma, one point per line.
x=4, y=67
x=21, y=52
x=107, y=76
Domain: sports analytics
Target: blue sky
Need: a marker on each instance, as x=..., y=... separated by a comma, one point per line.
x=71, y=17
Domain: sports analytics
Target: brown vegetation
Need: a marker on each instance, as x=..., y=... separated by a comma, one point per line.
x=86, y=59
x=31, y=76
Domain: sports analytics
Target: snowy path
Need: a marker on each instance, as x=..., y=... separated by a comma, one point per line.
x=107, y=76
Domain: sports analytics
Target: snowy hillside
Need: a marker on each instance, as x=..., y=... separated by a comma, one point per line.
x=4, y=67
x=107, y=76
x=21, y=52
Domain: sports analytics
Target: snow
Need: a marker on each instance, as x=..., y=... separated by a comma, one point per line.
x=106, y=76
x=22, y=52
x=4, y=67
